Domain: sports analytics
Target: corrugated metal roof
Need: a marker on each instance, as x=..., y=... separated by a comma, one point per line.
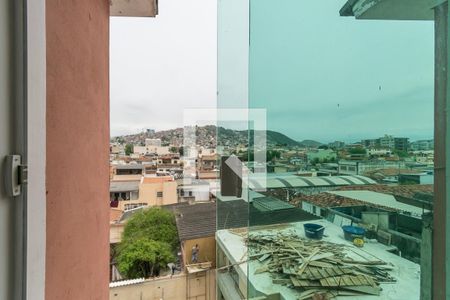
x=293, y=181
x=381, y=200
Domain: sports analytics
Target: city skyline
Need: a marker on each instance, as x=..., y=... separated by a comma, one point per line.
x=348, y=141
x=347, y=94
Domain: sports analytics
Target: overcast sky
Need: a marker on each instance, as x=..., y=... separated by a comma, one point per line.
x=159, y=66
x=320, y=76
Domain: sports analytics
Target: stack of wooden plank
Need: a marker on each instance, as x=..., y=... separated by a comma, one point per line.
x=317, y=268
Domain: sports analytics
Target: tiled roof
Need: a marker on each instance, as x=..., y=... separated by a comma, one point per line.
x=200, y=219
x=196, y=220
x=406, y=191
x=333, y=200
x=232, y=214
x=327, y=200
x=237, y=214
x=382, y=173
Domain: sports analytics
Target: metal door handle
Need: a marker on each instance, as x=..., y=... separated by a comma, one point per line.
x=15, y=175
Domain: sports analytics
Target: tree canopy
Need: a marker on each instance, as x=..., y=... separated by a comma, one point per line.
x=128, y=149
x=155, y=223
x=143, y=257
x=149, y=242
x=358, y=150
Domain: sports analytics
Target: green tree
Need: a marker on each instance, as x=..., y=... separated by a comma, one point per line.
x=315, y=161
x=358, y=150
x=173, y=149
x=149, y=242
x=155, y=223
x=272, y=155
x=143, y=257
x=401, y=153
x=128, y=149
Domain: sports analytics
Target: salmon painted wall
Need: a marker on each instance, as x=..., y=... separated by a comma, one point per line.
x=77, y=246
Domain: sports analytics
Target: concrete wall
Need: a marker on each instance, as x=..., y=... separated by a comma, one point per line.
x=380, y=219
x=207, y=250
x=77, y=247
x=201, y=286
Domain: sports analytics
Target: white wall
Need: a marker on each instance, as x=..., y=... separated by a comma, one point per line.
x=36, y=216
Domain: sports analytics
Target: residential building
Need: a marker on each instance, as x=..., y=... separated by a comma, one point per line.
x=152, y=191
x=422, y=145
x=371, y=143
x=321, y=155
x=122, y=191
x=193, y=190
x=417, y=178
x=151, y=149
x=184, y=286
x=116, y=149
x=153, y=142
x=401, y=144
x=169, y=164
x=207, y=166
x=424, y=157
x=196, y=225
x=127, y=169
x=387, y=142
x=378, y=152
x=348, y=167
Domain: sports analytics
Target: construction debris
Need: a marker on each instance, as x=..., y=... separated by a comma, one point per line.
x=317, y=268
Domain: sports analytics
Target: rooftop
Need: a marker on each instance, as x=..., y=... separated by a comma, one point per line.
x=123, y=186
x=195, y=220
x=387, y=172
x=291, y=180
x=380, y=199
x=327, y=200
x=406, y=191
x=406, y=273
x=156, y=179
x=200, y=220
x=129, y=167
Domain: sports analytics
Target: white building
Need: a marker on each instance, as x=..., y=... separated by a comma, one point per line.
x=143, y=150
x=153, y=142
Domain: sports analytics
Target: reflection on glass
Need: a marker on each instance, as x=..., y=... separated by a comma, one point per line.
x=344, y=210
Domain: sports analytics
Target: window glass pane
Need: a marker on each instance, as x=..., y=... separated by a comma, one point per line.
x=348, y=93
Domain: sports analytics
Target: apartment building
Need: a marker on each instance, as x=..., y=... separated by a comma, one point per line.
x=153, y=142
x=207, y=166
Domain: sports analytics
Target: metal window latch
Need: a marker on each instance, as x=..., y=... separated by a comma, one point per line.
x=16, y=175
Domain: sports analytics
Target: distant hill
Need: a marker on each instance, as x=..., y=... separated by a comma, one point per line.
x=207, y=135
x=310, y=143
x=276, y=138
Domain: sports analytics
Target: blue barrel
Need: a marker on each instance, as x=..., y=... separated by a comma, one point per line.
x=314, y=231
x=353, y=232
